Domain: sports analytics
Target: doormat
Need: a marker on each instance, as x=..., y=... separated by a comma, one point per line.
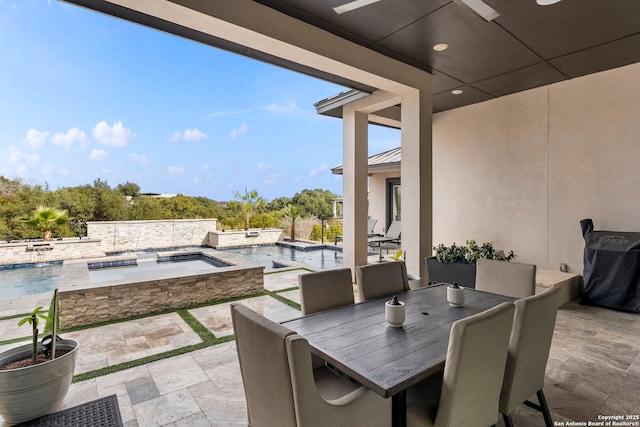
x=102, y=412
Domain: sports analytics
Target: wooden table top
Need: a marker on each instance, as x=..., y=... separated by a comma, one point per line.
x=357, y=340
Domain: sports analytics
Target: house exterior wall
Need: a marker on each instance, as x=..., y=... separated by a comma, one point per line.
x=378, y=198
x=524, y=169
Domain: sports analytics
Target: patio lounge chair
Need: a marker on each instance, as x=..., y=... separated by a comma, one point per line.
x=391, y=236
x=371, y=223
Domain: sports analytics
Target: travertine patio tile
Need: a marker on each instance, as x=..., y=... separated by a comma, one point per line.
x=282, y=280
x=195, y=420
x=217, y=318
x=291, y=295
x=126, y=341
x=9, y=329
x=142, y=389
x=166, y=409
x=176, y=373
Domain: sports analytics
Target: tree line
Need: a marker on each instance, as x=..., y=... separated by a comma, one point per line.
x=99, y=201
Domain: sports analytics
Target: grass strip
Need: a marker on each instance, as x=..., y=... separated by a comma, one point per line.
x=14, y=316
x=139, y=362
x=283, y=300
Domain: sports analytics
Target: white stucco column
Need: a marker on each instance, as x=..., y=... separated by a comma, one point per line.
x=416, y=175
x=354, y=222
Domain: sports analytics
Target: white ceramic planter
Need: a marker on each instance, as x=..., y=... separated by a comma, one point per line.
x=455, y=296
x=33, y=391
x=394, y=314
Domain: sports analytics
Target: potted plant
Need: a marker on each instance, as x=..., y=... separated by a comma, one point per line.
x=457, y=264
x=29, y=390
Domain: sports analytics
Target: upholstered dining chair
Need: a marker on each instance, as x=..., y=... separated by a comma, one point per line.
x=512, y=279
x=468, y=391
x=533, y=325
x=283, y=390
x=380, y=279
x=325, y=289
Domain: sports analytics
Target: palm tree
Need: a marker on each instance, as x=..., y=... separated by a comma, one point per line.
x=46, y=219
x=248, y=201
x=294, y=212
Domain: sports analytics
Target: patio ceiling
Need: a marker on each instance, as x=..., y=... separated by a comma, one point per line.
x=527, y=46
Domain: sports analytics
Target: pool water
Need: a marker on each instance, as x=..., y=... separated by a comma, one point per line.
x=142, y=270
x=18, y=282
x=322, y=259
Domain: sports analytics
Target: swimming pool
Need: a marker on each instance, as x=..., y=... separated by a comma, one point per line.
x=39, y=279
x=319, y=259
x=18, y=282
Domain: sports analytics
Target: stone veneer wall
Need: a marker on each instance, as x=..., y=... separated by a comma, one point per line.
x=232, y=238
x=55, y=250
x=88, y=306
x=120, y=236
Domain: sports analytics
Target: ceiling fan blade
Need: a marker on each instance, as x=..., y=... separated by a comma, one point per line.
x=353, y=5
x=481, y=8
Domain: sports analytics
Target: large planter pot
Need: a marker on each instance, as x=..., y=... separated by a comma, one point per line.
x=33, y=391
x=463, y=274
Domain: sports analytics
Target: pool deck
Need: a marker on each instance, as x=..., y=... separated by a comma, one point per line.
x=204, y=387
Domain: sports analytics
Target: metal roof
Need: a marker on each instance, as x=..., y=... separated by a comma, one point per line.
x=382, y=162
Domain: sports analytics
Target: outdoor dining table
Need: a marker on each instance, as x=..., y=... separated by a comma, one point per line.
x=357, y=340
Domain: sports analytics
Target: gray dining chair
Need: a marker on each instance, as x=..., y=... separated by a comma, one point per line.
x=512, y=279
x=283, y=390
x=529, y=346
x=381, y=279
x=468, y=391
x=325, y=289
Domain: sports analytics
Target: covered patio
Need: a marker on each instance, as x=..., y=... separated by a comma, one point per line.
x=594, y=365
x=524, y=124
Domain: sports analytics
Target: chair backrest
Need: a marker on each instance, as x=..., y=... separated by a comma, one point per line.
x=264, y=365
x=393, y=232
x=529, y=346
x=326, y=289
x=474, y=368
x=371, y=224
x=380, y=279
x=512, y=279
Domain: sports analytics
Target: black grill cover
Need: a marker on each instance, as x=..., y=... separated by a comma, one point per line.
x=611, y=268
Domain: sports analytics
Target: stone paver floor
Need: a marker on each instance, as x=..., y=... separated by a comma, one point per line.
x=593, y=368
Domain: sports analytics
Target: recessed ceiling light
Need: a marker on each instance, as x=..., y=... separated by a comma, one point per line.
x=440, y=47
x=546, y=2
x=457, y=91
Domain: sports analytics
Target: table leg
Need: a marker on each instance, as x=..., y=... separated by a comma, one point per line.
x=399, y=409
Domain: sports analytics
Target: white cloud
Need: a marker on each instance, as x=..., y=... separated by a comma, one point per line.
x=66, y=140
x=288, y=107
x=98, y=155
x=187, y=135
x=36, y=138
x=114, y=136
x=50, y=169
x=16, y=157
x=193, y=135
x=139, y=158
x=323, y=167
x=175, y=136
x=175, y=170
x=271, y=179
x=263, y=166
x=227, y=113
x=239, y=131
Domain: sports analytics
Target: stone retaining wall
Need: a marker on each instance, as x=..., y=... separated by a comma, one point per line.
x=233, y=238
x=121, y=236
x=88, y=306
x=25, y=252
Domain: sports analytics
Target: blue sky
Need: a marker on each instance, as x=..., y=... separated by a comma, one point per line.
x=86, y=96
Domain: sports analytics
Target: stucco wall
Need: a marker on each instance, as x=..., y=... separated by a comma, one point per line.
x=523, y=170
